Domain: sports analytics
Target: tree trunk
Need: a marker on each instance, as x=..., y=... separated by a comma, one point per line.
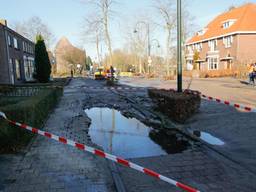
x=98, y=51
x=107, y=36
x=168, y=53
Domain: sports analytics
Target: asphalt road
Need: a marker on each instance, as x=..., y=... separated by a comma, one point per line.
x=229, y=89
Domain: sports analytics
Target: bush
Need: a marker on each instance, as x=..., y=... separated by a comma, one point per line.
x=5, y=100
x=169, y=77
x=177, y=106
x=42, y=61
x=217, y=73
x=211, y=74
x=32, y=111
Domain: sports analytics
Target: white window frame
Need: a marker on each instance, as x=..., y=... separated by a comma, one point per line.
x=15, y=43
x=213, y=45
x=213, y=65
x=228, y=23
x=228, y=40
x=17, y=69
x=9, y=40
x=198, y=46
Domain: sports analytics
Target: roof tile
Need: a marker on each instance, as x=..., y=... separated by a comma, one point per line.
x=244, y=17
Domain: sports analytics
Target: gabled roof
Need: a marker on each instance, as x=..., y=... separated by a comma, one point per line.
x=244, y=18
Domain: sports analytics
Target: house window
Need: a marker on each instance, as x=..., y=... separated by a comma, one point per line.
x=202, y=32
x=189, y=48
x=26, y=67
x=24, y=46
x=213, y=63
x=32, y=50
x=9, y=40
x=199, y=46
x=15, y=43
x=29, y=67
x=17, y=67
x=213, y=45
x=228, y=41
x=228, y=23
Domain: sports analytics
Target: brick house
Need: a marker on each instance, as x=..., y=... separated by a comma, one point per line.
x=227, y=42
x=16, y=56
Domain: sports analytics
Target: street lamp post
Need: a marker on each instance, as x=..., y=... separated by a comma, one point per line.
x=150, y=59
x=149, y=45
x=179, y=46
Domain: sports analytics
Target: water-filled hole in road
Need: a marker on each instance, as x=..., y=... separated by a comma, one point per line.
x=128, y=137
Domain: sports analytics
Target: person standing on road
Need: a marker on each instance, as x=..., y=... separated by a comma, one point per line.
x=251, y=73
x=254, y=73
x=112, y=71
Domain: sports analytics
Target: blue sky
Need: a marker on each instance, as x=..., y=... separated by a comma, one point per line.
x=64, y=17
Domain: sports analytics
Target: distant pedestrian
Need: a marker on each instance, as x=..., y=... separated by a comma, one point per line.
x=112, y=71
x=72, y=73
x=252, y=73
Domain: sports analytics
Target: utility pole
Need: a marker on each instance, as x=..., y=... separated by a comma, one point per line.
x=149, y=45
x=179, y=46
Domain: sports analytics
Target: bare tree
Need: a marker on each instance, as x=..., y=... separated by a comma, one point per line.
x=168, y=13
x=166, y=9
x=93, y=31
x=34, y=26
x=75, y=56
x=102, y=10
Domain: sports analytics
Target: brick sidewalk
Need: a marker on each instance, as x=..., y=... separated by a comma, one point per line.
x=50, y=166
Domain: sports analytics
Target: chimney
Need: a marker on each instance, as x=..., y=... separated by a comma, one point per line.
x=3, y=22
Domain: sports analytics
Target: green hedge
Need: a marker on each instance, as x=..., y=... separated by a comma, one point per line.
x=32, y=111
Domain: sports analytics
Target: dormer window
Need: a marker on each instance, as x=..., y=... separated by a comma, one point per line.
x=202, y=32
x=228, y=23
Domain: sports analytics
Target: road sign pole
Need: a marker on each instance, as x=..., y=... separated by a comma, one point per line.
x=179, y=47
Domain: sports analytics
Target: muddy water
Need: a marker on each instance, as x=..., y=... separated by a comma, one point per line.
x=121, y=136
x=208, y=138
x=128, y=137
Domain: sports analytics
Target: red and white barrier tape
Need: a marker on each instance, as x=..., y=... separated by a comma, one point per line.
x=101, y=154
x=113, y=88
x=236, y=105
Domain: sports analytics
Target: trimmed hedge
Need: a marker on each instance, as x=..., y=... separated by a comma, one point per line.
x=32, y=111
x=177, y=106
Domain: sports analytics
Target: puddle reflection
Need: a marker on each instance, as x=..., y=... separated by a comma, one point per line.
x=121, y=136
x=207, y=137
x=128, y=137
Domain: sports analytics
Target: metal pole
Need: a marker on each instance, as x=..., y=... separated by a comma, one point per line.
x=149, y=48
x=179, y=46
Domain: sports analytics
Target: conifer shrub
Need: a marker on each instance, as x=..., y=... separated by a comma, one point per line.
x=42, y=61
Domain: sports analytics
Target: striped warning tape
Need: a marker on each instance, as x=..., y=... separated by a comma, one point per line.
x=236, y=105
x=113, y=88
x=101, y=154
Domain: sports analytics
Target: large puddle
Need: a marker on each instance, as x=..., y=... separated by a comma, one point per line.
x=207, y=137
x=128, y=137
